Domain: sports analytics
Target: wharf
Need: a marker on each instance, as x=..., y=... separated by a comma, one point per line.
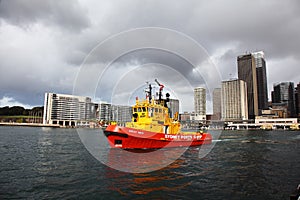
x=29, y=124
x=269, y=126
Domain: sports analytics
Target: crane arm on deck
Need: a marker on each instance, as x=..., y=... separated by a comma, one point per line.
x=160, y=85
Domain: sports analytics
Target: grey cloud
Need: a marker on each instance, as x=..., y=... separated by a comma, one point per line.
x=268, y=25
x=225, y=29
x=65, y=14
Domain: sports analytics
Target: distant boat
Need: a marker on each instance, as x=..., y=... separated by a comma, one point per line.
x=294, y=127
x=266, y=127
x=152, y=127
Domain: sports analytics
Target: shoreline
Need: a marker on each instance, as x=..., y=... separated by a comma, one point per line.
x=58, y=126
x=28, y=124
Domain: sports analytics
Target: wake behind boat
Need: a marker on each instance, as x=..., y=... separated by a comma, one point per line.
x=152, y=127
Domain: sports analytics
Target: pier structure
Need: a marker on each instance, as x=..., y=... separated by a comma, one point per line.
x=29, y=124
x=267, y=124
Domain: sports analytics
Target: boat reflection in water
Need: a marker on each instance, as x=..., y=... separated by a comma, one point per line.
x=154, y=183
x=142, y=160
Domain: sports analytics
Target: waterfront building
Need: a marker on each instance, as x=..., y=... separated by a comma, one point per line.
x=104, y=112
x=121, y=113
x=116, y=113
x=267, y=123
x=252, y=70
x=277, y=123
x=68, y=110
x=200, y=103
x=184, y=117
x=234, y=102
x=284, y=94
x=216, y=104
x=297, y=99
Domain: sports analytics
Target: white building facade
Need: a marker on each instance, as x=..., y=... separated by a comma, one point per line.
x=234, y=100
x=117, y=113
x=200, y=103
x=68, y=110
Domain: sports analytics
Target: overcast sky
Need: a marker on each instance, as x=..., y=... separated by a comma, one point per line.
x=50, y=46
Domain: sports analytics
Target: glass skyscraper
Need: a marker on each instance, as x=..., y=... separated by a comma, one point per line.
x=297, y=99
x=261, y=79
x=284, y=93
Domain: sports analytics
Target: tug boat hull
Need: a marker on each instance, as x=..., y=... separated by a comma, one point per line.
x=131, y=138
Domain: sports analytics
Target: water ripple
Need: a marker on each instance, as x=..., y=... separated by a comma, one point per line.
x=53, y=164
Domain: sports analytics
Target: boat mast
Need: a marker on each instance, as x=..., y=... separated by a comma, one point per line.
x=149, y=92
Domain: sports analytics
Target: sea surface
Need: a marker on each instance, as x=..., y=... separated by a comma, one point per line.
x=53, y=163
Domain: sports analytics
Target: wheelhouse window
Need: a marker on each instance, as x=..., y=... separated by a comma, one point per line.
x=140, y=109
x=151, y=112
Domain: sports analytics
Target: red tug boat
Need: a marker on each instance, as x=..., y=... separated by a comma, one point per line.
x=152, y=127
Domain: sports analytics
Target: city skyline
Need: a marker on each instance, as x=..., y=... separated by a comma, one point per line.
x=43, y=45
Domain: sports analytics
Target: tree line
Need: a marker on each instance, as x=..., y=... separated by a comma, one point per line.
x=19, y=110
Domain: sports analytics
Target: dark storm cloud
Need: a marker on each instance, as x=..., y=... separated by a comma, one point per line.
x=149, y=60
x=163, y=57
x=148, y=45
x=65, y=14
x=254, y=25
x=44, y=43
x=244, y=26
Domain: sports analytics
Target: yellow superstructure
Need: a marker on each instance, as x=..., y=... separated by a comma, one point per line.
x=153, y=116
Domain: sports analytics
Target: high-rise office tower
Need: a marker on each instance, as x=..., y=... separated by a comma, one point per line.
x=216, y=104
x=297, y=99
x=200, y=103
x=261, y=79
x=247, y=73
x=234, y=102
x=284, y=93
x=252, y=70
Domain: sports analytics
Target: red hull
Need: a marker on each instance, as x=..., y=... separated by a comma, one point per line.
x=129, y=138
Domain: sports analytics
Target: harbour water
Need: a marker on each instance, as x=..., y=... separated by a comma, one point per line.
x=52, y=163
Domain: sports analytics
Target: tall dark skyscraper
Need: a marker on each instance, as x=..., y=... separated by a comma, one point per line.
x=297, y=99
x=247, y=73
x=252, y=70
x=261, y=78
x=284, y=93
